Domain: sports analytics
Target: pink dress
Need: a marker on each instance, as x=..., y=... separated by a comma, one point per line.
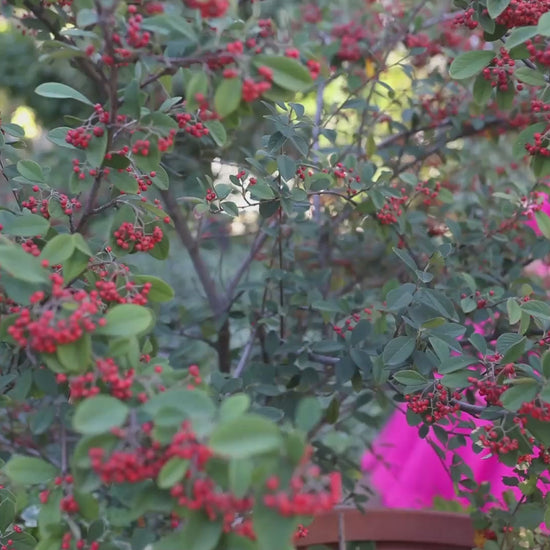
x=405, y=471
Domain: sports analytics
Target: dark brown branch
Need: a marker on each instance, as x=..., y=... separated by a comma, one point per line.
x=202, y=270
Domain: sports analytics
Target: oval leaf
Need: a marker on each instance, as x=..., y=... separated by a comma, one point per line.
x=245, y=436
x=469, y=64
x=99, y=414
x=228, y=96
x=29, y=470
x=61, y=91
x=288, y=73
x=126, y=320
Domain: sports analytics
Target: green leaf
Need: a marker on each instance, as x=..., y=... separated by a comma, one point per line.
x=217, y=132
x=7, y=514
x=172, y=472
x=99, y=414
x=31, y=170
x=123, y=181
x=95, y=153
x=514, y=311
x=519, y=36
x=468, y=64
x=126, y=320
x=58, y=135
x=240, y=476
x=161, y=179
x=27, y=225
x=496, y=7
x=245, y=436
x=86, y=17
x=543, y=26
x=131, y=105
x=22, y=266
x=13, y=130
x=288, y=73
x=26, y=470
x=230, y=208
x=535, y=308
x=520, y=393
x=526, y=136
x=274, y=531
x=511, y=346
x=308, y=413
x=195, y=403
x=543, y=221
x=58, y=249
x=197, y=84
x=76, y=356
x=539, y=429
x=88, y=506
x=61, y=91
x=160, y=290
x=410, y=378
x=398, y=350
x=286, y=167
x=227, y=97
x=234, y=406
x=546, y=364
x=482, y=90
x=261, y=191
x=530, y=76
x=200, y=532
x=406, y=258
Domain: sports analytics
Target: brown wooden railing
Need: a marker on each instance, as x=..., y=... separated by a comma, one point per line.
x=392, y=529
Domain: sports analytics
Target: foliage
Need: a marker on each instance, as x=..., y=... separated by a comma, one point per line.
x=336, y=188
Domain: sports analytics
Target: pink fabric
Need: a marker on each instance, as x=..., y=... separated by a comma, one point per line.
x=406, y=472
x=532, y=223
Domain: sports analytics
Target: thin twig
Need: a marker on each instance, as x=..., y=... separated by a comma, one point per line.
x=243, y=361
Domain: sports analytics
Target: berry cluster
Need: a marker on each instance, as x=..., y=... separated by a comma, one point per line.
x=299, y=501
x=434, y=405
x=532, y=203
x=351, y=322
x=209, y=8
x=108, y=374
x=466, y=19
x=140, y=457
x=500, y=71
x=34, y=206
x=43, y=327
x=141, y=147
x=129, y=237
x=135, y=37
x=392, y=209
x=128, y=293
x=430, y=195
x=522, y=13
x=30, y=247
x=79, y=137
x=352, y=35
x=196, y=129
x=210, y=195
x=497, y=443
x=439, y=107
x=252, y=90
x=422, y=40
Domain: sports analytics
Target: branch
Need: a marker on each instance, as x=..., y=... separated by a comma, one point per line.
x=83, y=63
x=246, y=353
x=254, y=249
x=202, y=270
x=323, y=359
